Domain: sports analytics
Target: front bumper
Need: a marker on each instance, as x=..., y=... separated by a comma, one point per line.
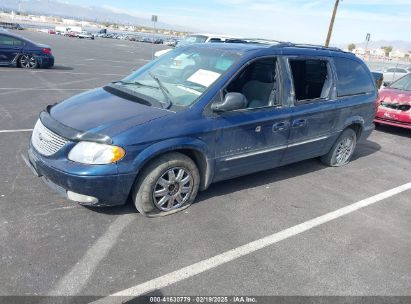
x=400, y=119
x=107, y=190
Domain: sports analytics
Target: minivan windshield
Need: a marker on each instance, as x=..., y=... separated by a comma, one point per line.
x=177, y=79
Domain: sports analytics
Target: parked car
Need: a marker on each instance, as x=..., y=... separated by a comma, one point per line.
x=196, y=38
x=161, y=134
x=85, y=35
x=394, y=104
x=11, y=26
x=71, y=34
x=15, y=50
x=171, y=42
x=392, y=74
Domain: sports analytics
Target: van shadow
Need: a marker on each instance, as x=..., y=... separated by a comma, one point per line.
x=394, y=130
x=62, y=68
x=364, y=149
x=279, y=174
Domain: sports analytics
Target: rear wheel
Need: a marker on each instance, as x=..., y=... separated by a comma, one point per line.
x=28, y=62
x=342, y=150
x=167, y=185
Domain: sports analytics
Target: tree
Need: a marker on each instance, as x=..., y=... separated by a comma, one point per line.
x=387, y=50
x=351, y=47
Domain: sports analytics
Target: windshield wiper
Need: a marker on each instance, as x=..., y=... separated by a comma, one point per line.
x=164, y=90
x=134, y=83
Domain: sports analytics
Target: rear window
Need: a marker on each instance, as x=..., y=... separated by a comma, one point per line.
x=353, y=78
x=7, y=40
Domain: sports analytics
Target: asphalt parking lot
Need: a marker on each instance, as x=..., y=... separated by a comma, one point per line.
x=51, y=246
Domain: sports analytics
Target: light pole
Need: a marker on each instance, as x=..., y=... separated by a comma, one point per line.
x=154, y=20
x=330, y=29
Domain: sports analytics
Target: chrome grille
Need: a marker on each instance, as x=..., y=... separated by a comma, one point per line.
x=45, y=141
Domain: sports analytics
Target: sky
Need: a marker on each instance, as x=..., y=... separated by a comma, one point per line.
x=286, y=20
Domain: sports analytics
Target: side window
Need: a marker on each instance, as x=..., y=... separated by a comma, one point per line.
x=259, y=83
x=353, y=79
x=312, y=79
x=18, y=42
x=214, y=40
x=6, y=40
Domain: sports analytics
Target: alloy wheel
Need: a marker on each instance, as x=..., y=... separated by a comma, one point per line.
x=28, y=62
x=344, y=150
x=173, y=189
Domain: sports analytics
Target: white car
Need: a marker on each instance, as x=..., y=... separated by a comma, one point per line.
x=197, y=38
x=85, y=35
x=392, y=74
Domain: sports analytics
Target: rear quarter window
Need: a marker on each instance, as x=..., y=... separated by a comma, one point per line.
x=353, y=78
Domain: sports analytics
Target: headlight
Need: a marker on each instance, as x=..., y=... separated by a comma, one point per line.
x=95, y=154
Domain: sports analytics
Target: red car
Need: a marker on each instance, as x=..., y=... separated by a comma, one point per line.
x=394, y=104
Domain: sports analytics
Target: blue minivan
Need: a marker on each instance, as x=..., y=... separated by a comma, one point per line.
x=202, y=114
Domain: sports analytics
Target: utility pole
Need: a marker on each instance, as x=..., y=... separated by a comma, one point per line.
x=330, y=29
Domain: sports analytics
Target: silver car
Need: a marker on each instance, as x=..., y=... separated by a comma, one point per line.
x=392, y=74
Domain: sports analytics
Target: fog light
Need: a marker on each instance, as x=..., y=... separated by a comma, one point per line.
x=80, y=198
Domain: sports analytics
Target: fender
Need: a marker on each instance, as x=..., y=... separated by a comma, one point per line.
x=206, y=166
x=359, y=120
x=354, y=120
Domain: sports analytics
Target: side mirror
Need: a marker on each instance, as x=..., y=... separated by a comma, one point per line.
x=232, y=101
x=386, y=84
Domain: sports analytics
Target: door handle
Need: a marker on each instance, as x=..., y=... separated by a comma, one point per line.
x=299, y=123
x=280, y=126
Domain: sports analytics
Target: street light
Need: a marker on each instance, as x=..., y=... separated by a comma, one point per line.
x=330, y=29
x=154, y=19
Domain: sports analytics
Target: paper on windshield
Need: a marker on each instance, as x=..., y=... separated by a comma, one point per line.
x=204, y=77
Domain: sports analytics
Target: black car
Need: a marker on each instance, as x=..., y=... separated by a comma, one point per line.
x=16, y=50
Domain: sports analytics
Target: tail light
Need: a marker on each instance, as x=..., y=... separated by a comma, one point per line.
x=46, y=51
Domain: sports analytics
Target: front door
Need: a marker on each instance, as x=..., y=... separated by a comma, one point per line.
x=251, y=141
x=254, y=138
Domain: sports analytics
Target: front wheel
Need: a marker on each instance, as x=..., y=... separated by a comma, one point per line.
x=28, y=62
x=167, y=185
x=342, y=150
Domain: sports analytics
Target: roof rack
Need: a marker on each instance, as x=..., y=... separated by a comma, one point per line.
x=304, y=45
x=262, y=41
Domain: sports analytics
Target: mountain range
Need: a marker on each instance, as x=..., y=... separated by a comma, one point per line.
x=91, y=13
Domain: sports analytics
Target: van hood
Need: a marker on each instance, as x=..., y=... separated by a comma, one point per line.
x=102, y=112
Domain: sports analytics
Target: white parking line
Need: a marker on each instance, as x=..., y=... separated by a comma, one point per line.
x=74, y=280
x=118, y=61
x=228, y=256
x=16, y=131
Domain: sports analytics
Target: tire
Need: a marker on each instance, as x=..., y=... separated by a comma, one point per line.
x=28, y=62
x=342, y=150
x=167, y=185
